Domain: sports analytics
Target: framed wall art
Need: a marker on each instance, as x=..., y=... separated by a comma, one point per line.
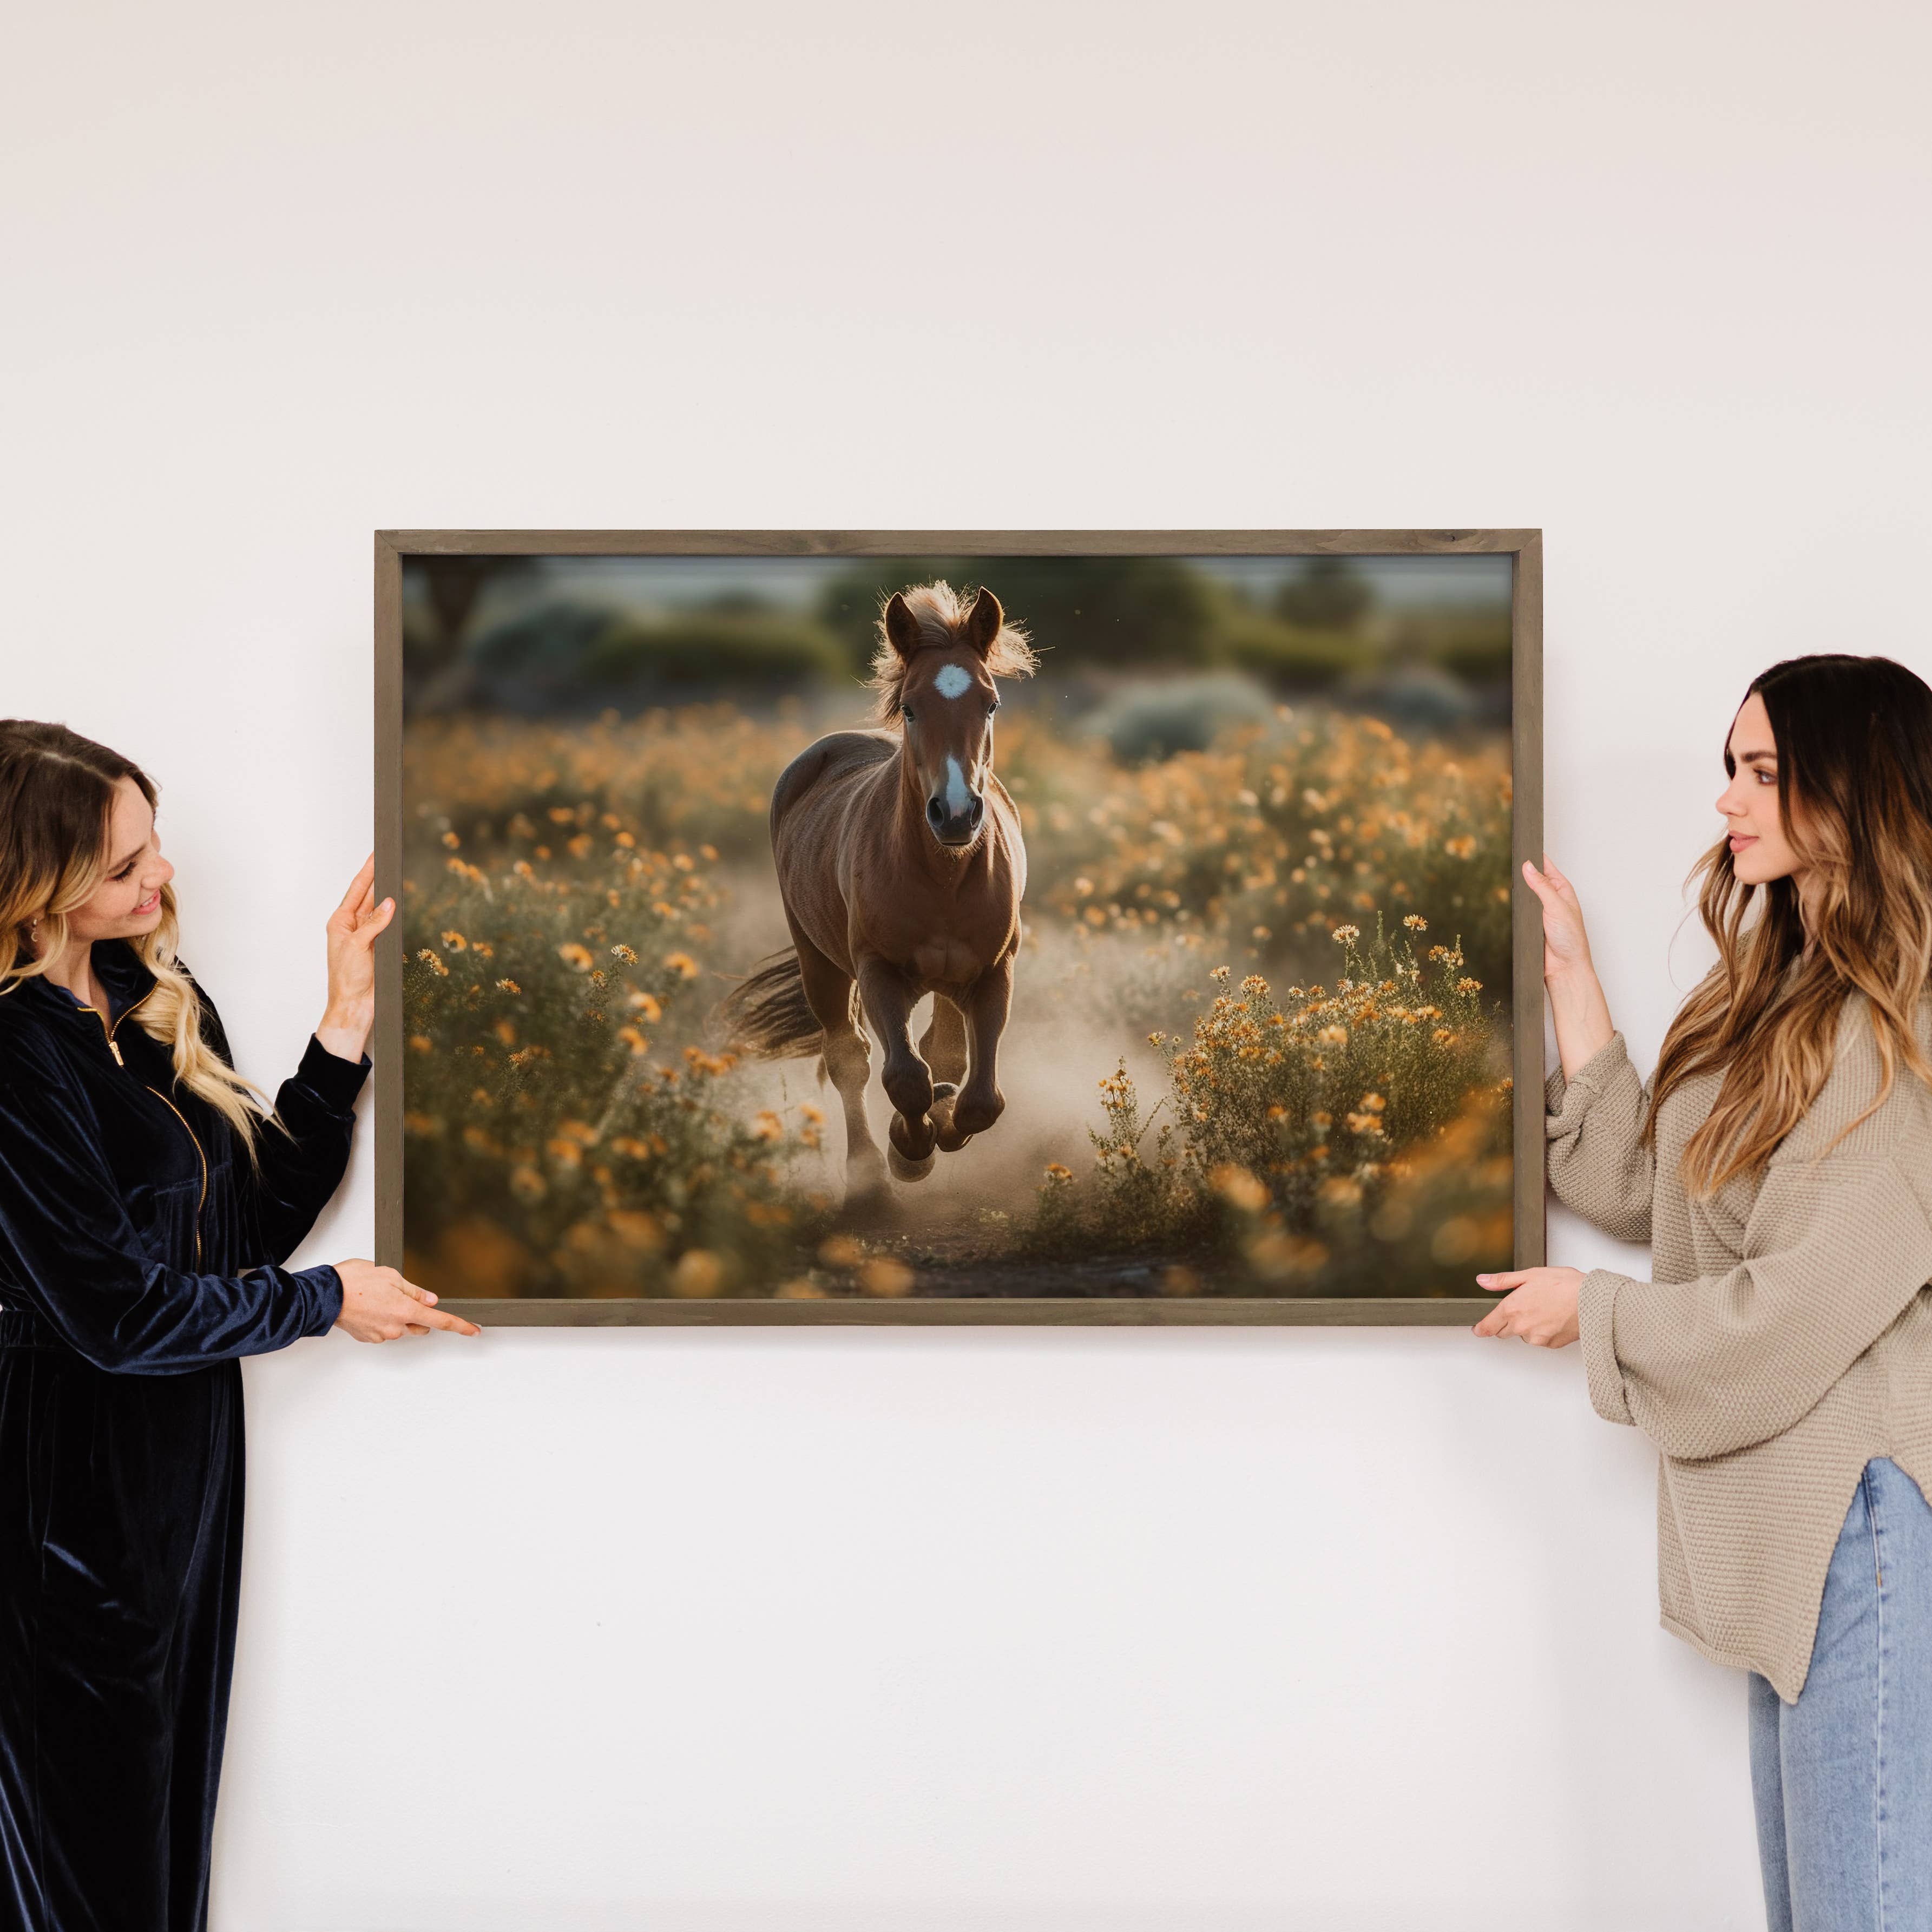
x=951, y=926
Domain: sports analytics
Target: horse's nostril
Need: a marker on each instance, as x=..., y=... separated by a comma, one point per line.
x=978, y=812
x=933, y=810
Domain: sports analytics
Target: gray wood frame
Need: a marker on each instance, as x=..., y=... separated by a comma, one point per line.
x=1525, y=549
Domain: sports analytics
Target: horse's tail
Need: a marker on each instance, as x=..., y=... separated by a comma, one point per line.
x=766, y=1016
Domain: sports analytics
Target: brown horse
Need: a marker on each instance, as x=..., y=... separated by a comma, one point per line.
x=900, y=865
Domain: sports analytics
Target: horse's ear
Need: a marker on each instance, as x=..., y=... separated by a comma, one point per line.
x=983, y=622
x=902, y=626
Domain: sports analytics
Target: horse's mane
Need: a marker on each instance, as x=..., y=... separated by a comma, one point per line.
x=941, y=613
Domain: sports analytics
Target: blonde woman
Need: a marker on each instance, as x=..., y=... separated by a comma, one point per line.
x=148, y=1202
x=1780, y=1162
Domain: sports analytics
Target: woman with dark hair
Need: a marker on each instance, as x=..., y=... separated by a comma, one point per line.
x=148, y=1200
x=1780, y=1162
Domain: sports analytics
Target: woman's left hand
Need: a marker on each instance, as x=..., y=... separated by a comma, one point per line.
x=352, y=929
x=1539, y=1306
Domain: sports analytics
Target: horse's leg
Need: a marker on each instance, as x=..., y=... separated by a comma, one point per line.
x=889, y=1002
x=943, y=1048
x=980, y=1102
x=828, y=991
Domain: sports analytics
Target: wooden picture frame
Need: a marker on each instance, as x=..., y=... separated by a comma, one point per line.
x=1524, y=549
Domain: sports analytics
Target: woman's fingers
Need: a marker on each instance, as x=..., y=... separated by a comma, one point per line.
x=362, y=933
x=1550, y=885
x=359, y=888
x=1565, y=891
x=1497, y=1321
x=436, y=1318
x=423, y=1320
x=441, y=1317
x=369, y=920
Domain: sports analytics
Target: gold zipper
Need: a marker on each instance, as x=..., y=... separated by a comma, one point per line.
x=192, y=1135
x=200, y=1152
x=113, y=1048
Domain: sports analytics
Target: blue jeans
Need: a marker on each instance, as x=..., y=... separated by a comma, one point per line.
x=1842, y=1780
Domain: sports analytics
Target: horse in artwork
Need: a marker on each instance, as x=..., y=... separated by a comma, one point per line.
x=901, y=866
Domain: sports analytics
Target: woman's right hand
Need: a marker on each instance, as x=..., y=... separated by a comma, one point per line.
x=1577, y=1007
x=1566, y=945
x=378, y=1305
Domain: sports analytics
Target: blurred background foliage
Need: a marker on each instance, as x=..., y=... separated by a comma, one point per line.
x=516, y=634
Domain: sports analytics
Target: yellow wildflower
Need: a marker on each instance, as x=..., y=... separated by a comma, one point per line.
x=698, y=1273
x=881, y=1276
x=1238, y=1187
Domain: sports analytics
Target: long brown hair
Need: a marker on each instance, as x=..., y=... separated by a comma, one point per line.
x=1854, y=742
x=56, y=807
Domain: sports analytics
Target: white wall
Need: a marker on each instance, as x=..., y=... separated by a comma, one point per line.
x=742, y=1632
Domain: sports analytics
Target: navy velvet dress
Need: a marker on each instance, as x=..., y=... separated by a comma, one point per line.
x=140, y=1257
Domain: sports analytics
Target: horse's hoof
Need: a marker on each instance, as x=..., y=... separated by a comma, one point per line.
x=908, y=1170
x=969, y=1118
x=869, y=1206
x=866, y=1178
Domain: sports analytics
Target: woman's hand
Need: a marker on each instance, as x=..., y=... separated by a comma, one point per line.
x=1566, y=945
x=1541, y=1311
x=351, y=929
x=1577, y=1007
x=378, y=1305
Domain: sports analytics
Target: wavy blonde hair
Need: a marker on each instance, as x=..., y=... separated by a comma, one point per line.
x=1854, y=742
x=56, y=805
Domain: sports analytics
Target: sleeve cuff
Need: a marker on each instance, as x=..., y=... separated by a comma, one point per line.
x=1596, y=1322
x=334, y=1080
x=1565, y=1102
x=325, y=1285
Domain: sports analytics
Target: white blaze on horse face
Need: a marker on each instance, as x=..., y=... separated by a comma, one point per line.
x=953, y=681
x=958, y=799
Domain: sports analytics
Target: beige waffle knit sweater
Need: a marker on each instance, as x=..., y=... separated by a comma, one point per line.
x=1786, y=1340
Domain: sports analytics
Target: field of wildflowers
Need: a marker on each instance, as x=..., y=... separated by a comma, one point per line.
x=1271, y=837
x=577, y=896
x=1358, y=1137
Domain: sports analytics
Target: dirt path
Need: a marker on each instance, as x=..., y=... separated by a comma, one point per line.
x=963, y=1262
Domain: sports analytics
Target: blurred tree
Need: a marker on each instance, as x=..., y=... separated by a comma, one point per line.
x=1101, y=610
x=560, y=657
x=448, y=590
x=1328, y=594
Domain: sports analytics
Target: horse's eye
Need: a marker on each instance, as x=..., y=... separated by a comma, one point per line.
x=992, y=707
x=905, y=713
